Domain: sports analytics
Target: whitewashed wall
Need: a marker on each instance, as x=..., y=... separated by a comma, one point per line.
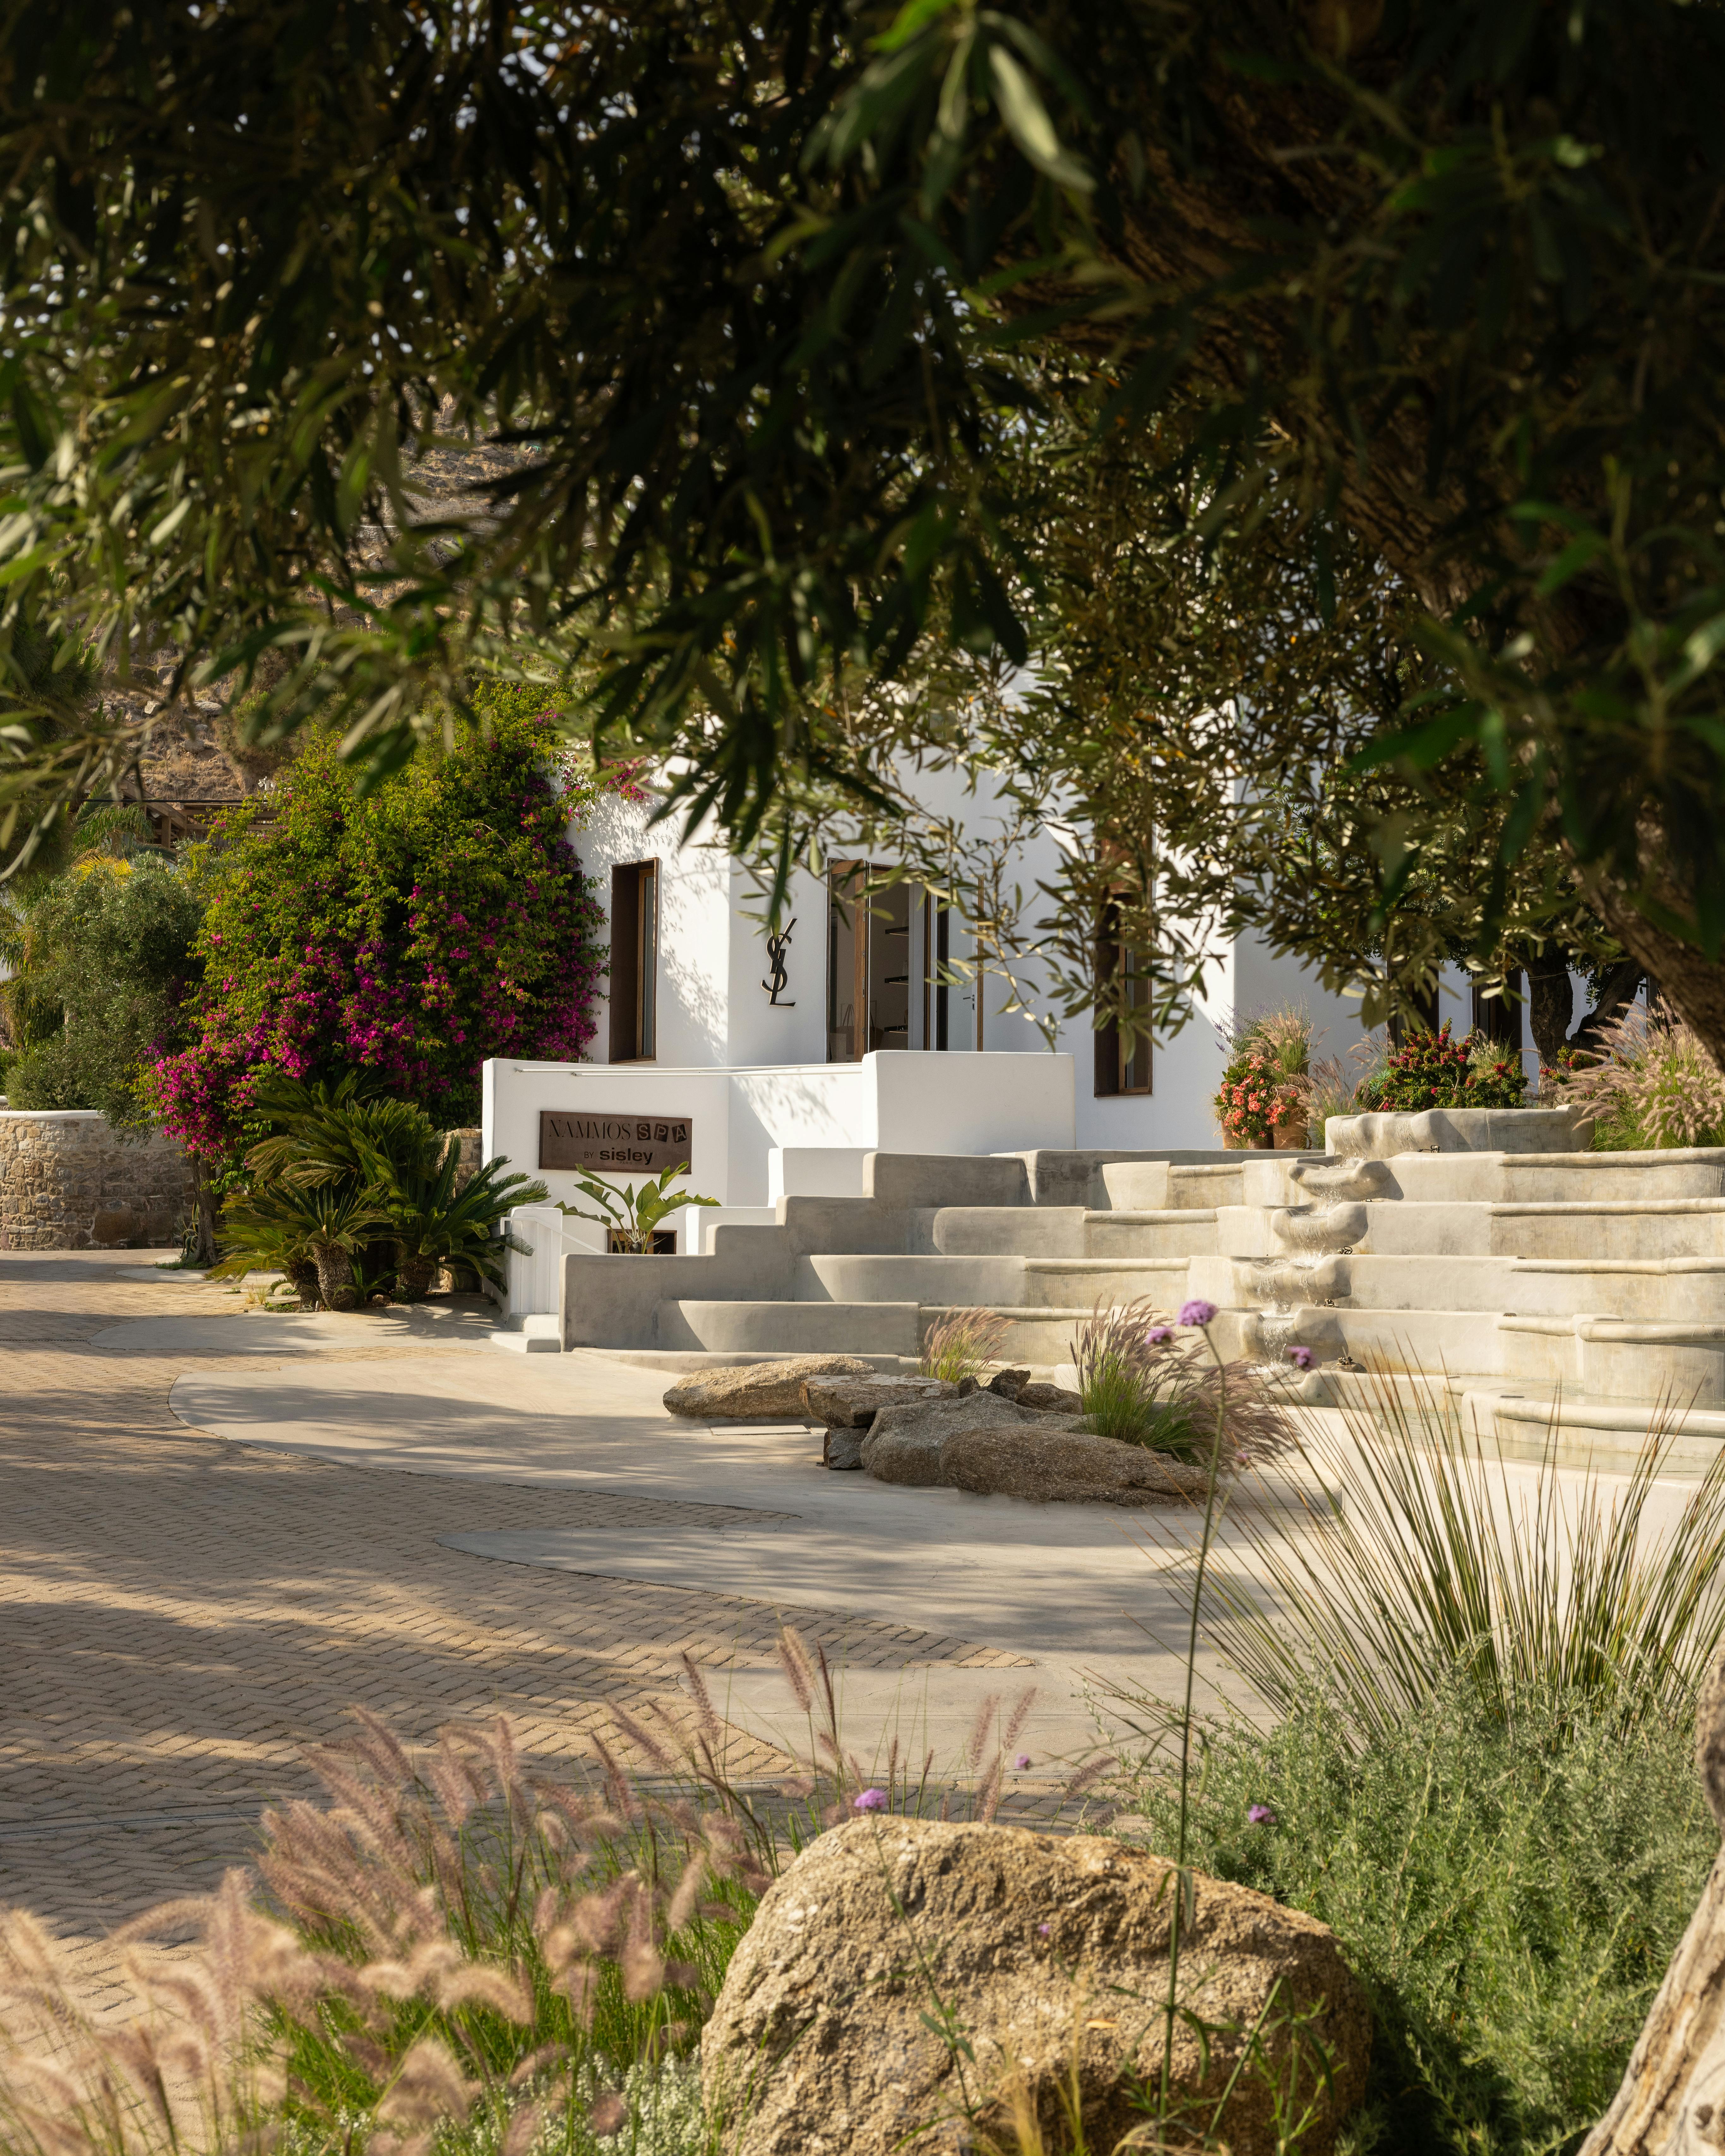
x=714, y=1014
x=895, y=1101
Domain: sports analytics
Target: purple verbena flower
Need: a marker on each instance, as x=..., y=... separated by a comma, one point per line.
x=1301, y=1358
x=1260, y=1815
x=1197, y=1312
x=1158, y=1336
x=868, y=1800
x=1022, y=1762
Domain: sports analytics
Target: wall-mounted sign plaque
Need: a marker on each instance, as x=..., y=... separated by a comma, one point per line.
x=616, y=1145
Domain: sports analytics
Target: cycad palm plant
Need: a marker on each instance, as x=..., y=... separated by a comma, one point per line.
x=436, y=1222
x=312, y=1235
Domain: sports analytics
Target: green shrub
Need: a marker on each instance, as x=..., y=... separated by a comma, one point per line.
x=108, y=952
x=1142, y=1382
x=353, y=1192
x=962, y=1344
x=1509, y=1894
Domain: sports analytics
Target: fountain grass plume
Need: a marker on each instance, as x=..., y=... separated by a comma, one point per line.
x=962, y=1344
x=461, y=1955
x=1140, y=1383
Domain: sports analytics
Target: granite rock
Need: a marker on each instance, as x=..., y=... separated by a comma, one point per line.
x=1063, y=1466
x=1052, y=1399
x=853, y=1403
x=906, y=1444
x=841, y=1449
x=757, y=1391
x=1051, y=1953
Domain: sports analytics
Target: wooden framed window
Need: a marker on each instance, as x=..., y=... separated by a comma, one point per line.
x=1499, y=1018
x=870, y=941
x=634, y=962
x=1427, y=1007
x=1122, y=1067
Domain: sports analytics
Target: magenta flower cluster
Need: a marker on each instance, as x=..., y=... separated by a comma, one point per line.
x=412, y=932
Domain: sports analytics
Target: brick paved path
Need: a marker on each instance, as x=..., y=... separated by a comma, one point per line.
x=178, y=1615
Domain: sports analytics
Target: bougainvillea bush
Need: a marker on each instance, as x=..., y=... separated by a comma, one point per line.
x=412, y=932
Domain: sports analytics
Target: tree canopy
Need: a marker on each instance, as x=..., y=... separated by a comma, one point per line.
x=109, y=956
x=1414, y=306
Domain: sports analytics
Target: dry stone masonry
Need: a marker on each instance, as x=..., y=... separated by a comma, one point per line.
x=60, y=1169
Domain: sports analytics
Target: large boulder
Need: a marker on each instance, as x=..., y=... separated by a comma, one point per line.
x=1046, y=1956
x=1672, y=2099
x=1063, y=1466
x=904, y=1443
x=757, y=1391
x=991, y=1446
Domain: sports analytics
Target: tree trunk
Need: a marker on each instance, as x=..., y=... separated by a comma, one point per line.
x=335, y=1276
x=1692, y=984
x=413, y=1278
x=1550, y=1000
x=1617, y=992
x=205, y=1200
x=1672, y=2100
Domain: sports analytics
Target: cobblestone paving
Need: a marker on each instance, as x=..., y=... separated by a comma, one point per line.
x=178, y=1615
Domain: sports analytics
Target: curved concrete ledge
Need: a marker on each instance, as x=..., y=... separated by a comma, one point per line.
x=1382, y=1136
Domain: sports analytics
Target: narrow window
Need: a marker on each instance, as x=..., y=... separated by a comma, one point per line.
x=1122, y=1066
x=634, y=962
x=848, y=963
x=940, y=951
x=1499, y=1018
x=890, y=968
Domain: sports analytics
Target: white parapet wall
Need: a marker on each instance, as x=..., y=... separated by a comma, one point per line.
x=895, y=1101
x=760, y=1132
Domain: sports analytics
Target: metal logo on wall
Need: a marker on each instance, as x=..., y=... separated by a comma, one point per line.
x=619, y=1143
x=776, y=946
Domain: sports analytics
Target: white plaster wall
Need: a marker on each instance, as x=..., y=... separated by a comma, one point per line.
x=898, y=1100
x=693, y=926
x=795, y=1030
x=714, y=1013
x=514, y=1094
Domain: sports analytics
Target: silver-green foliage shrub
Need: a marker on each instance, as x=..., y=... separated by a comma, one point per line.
x=1509, y=1894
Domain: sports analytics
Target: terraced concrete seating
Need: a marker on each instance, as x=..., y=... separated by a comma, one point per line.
x=1490, y=1254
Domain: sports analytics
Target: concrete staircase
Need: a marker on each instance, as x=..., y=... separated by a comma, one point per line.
x=1483, y=1247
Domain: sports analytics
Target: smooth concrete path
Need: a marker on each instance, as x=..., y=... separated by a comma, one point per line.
x=1091, y=1598
x=273, y=1333
x=1080, y=1591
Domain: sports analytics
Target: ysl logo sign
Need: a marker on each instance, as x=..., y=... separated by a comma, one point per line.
x=776, y=946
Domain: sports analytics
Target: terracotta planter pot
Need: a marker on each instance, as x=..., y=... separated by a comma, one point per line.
x=1290, y=1137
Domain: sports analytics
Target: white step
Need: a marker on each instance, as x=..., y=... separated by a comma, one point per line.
x=536, y=1334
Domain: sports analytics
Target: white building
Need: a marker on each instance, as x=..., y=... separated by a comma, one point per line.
x=782, y=1087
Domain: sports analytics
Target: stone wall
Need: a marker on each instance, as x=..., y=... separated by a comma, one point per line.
x=59, y=1169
